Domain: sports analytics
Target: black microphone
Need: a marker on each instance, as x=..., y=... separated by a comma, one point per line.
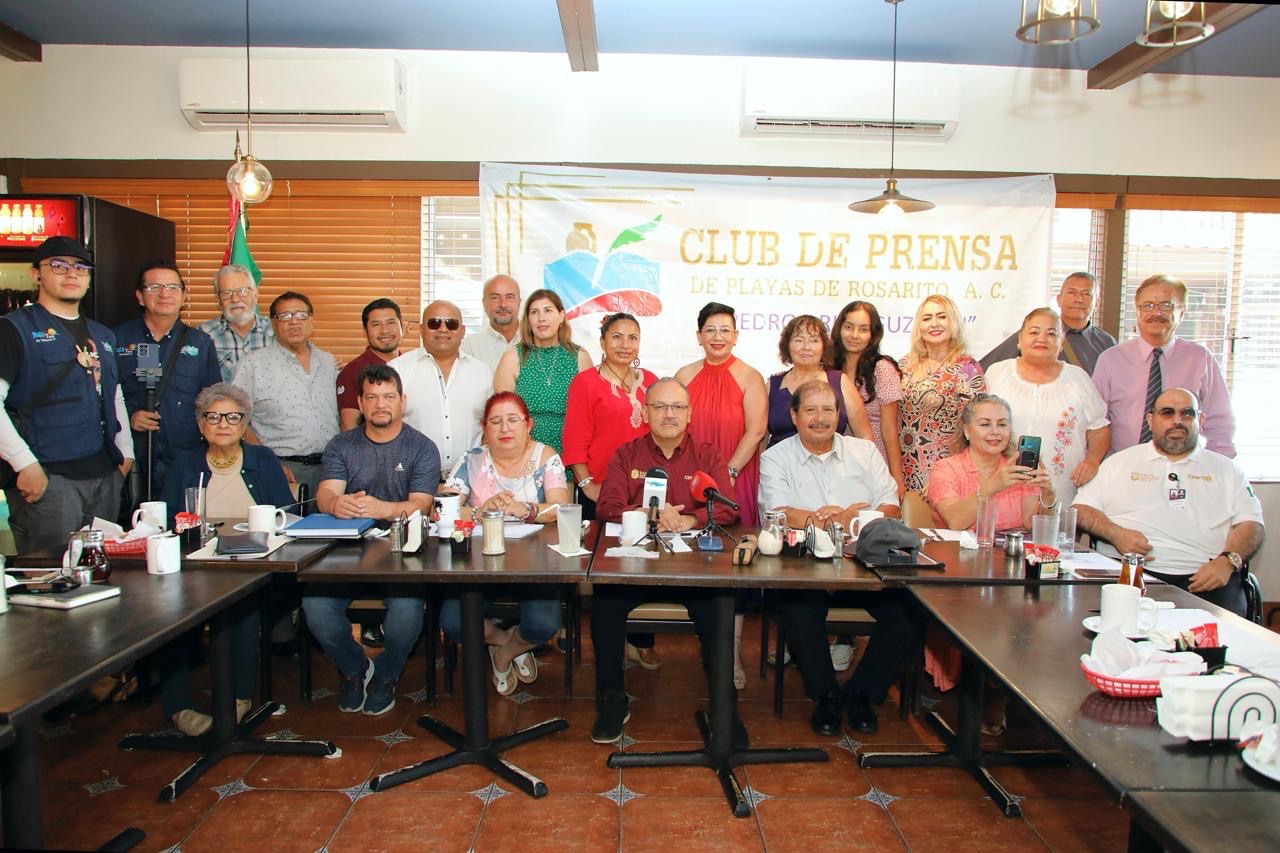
x=703, y=488
x=654, y=510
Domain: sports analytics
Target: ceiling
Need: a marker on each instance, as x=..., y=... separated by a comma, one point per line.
x=977, y=32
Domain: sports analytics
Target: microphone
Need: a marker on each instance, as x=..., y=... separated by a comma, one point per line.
x=654, y=509
x=703, y=488
x=655, y=488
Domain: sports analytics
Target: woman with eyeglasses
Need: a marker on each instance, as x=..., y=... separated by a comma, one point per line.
x=523, y=478
x=542, y=365
x=806, y=347
x=236, y=475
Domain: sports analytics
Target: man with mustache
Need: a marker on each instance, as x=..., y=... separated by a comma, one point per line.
x=1189, y=510
x=502, y=309
x=822, y=475
x=383, y=328
x=1130, y=376
x=240, y=329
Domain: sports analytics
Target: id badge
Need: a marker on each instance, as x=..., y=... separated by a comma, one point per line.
x=1177, y=496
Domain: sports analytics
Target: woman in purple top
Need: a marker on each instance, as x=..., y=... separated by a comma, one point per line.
x=806, y=347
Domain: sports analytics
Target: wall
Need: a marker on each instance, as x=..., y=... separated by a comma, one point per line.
x=122, y=102
x=1266, y=563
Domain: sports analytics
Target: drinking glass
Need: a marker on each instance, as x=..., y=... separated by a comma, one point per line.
x=985, y=524
x=1067, y=532
x=569, y=526
x=1044, y=530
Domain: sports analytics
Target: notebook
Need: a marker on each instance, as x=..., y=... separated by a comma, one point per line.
x=322, y=525
x=77, y=597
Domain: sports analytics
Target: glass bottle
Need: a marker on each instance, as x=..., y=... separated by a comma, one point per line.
x=773, y=533
x=92, y=554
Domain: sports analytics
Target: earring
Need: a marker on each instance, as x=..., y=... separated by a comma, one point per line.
x=636, y=363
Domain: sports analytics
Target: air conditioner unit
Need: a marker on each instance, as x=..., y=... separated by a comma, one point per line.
x=837, y=98
x=294, y=94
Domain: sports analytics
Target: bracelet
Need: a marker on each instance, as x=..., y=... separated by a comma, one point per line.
x=586, y=481
x=1044, y=505
x=734, y=472
x=532, y=514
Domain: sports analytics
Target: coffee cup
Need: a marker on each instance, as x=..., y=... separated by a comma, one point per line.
x=1122, y=608
x=155, y=513
x=449, y=507
x=865, y=517
x=264, y=518
x=634, y=525
x=164, y=554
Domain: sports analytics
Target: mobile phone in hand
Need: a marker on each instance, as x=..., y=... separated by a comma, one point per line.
x=1029, y=451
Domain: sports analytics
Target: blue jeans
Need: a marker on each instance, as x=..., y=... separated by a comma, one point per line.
x=171, y=660
x=539, y=617
x=326, y=609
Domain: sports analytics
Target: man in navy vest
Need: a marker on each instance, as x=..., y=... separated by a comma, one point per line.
x=60, y=428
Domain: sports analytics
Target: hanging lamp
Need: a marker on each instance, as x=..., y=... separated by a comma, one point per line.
x=247, y=179
x=1171, y=24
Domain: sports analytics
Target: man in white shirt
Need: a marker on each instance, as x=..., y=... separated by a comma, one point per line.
x=1189, y=510
x=502, y=309
x=822, y=475
x=445, y=389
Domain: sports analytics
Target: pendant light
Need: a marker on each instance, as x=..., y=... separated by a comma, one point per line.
x=892, y=203
x=1058, y=21
x=1172, y=24
x=248, y=180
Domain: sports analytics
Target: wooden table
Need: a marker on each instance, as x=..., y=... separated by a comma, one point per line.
x=714, y=570
x=528, y=560
x=48, y=656
x=1240, y=821
x=970, y=566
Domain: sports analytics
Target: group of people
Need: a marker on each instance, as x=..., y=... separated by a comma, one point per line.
x=519, y=418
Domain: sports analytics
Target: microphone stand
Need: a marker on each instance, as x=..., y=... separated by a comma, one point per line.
x=653, y=530
x=712, y=527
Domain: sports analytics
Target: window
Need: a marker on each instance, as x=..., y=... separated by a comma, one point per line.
x=451, y=255
x=1077, y=247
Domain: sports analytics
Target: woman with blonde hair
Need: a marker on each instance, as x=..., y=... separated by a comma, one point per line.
x=938, y=379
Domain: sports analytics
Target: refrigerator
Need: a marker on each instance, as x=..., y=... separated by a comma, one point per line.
x=120, y=240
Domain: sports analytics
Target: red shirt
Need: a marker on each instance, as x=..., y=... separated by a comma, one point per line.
x=349, y=378
x=598, y=420
x=623, y=485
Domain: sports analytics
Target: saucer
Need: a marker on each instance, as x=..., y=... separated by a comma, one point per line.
x=1271, y=771
x=1094, y=624
x=242, y=526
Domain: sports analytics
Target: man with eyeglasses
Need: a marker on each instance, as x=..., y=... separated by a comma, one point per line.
x=446, y=389
x=182, y=362
x=1130, y=376
x=240, y=329
x=382, y=327
x=379, y=470
x=1189, y=510
x=502, y=310
x=62, y=436
x=1084, y=342
x=290, y=383
x=668, y=446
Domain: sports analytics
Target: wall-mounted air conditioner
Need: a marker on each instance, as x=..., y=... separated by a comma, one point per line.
x=301, y=94
x=838, y=98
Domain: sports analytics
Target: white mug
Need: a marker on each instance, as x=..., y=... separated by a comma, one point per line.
x=450, y=506
x=635, y=523
x=164, y=554
x=1122, y=608
x=264, y=518
x=155, y=513
x=865, y=517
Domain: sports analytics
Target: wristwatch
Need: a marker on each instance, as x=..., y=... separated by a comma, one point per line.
x=734, y=472
x=1236, y=561
x=586, y=481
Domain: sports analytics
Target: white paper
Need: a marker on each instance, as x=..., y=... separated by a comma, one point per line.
x=944, y=534
x=581, y=552
x=631, y=551
x=613, y=529
x=209, y=551
x=1091, y=560
x=510, y=530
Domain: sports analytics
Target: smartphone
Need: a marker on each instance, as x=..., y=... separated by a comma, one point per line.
x=1029, y=451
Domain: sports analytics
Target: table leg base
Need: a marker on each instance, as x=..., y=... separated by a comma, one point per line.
x=214, y=750
x=975, y=765
x=487, y=755
x=722, y=765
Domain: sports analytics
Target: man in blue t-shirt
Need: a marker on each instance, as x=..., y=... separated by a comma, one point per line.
x=377, y=470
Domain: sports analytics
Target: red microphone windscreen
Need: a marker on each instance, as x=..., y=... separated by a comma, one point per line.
x=699, y=484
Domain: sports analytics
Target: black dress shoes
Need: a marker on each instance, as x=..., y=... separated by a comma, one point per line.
x=862, y=717
x=826, y=715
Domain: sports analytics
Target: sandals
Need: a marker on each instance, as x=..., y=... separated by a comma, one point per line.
x=503, y=682
x=739, y=677
x=526, y=666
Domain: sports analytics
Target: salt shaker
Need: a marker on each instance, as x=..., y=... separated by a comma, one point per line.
x=396, y=534
x=491, y=533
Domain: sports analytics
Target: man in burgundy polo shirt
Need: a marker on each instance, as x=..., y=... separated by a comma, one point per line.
x=670, y=447
x=384, y=329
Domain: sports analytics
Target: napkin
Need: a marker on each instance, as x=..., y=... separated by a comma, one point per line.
x=631, y=551
x=968, y=540
x=1117, y=657
x=1223, y=706
x=581, y=552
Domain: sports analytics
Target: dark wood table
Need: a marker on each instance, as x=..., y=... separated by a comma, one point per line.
x=527, y=561
x=48, y=656
x=969, y=566
x=1240, y=821
x=714, y=570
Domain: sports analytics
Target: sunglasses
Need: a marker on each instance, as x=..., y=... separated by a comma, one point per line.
x=434, y=323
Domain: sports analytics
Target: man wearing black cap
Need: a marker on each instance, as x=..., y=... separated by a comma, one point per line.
x=60, y=430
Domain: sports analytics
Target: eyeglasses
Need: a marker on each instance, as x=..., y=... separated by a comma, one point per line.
x=64, y=268
x=286, y=316
x=215, y=418
x=226, y=295
x=434, y=323
x=722, y=331
x=1182, y=414
x=677, y=408
x=167, y=287
x=510, y=420
x=1153, y=307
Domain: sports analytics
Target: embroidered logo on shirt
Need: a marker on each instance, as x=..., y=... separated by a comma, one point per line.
x=190, y=350
x=47, y=336
x=636, y=475
x=399, y=466
x=1135, y=476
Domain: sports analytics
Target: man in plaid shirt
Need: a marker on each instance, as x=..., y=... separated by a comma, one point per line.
x=240, y=329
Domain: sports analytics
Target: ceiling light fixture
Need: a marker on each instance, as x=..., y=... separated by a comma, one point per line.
x=248, y=180
x=892, y=203
x=1173, y=24
x=1058, y=21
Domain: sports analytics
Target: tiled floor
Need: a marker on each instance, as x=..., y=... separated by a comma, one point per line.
x=93, y=790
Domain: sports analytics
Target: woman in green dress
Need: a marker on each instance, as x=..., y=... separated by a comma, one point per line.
x=542, y=365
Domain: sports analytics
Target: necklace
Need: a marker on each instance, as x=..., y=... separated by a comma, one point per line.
x=220, y=464
x=636, y=418
x=621, y=381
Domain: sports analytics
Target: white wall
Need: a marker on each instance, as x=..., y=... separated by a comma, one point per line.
x=122, y=102
x=1266, y=562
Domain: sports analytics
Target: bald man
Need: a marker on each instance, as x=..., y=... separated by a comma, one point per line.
x=445, y=389
x=502, y=308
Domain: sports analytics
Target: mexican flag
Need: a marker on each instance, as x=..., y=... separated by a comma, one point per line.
x=237, y=251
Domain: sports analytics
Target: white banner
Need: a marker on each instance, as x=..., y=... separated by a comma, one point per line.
x=661, y=245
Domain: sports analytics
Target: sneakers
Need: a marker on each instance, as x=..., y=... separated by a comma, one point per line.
x=647, y=658
x=614, y=712
x=351, y=694
x=191, y=722
x=841, y=656
x=381, y=697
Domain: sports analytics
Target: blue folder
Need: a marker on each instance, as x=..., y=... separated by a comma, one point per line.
x=322, y=525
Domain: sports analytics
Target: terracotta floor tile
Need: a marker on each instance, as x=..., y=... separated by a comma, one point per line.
x=792, y=729
x=400, y=820
x=568, y=764
x=322, y=719
x=460, y=780
x=664, y=824
x=282, y=820
x=950, y=825
x=929, y=782
x=352, y=767
x=1065, y=781
x=838, y=777
x=826, y=824
x=673, y=781
x=84, y=822
x=1078, y=824
x=580, y=714
x=663, y=720
x=563, y=822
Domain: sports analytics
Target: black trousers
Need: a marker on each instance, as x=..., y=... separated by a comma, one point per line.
x=642, y=640
x=610, y=604
x=803, y=614
x=1229, y=597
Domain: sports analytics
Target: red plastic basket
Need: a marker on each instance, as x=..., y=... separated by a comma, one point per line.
x=1127, y=688
x=131, y=548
